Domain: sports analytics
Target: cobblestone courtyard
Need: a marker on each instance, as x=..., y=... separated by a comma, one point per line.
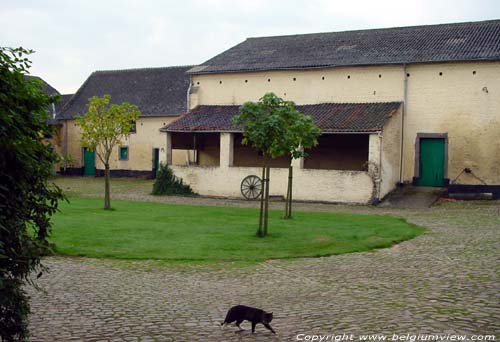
x=445, y=281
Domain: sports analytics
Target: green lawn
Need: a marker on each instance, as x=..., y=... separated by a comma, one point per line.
x=145, y=230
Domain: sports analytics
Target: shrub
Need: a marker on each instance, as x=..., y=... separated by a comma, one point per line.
x=167, y=183
x=27, y=200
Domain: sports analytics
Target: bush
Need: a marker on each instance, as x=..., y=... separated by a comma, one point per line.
x=168, y=184
x=27, y=200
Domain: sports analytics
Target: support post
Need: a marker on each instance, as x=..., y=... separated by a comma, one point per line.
x=168, y=149
x=226, y=149
x=375, y=164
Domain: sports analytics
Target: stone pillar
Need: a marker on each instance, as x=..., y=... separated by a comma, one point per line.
x=374, y=163
x=168, y=149
x=226, y=149
x=374, y=146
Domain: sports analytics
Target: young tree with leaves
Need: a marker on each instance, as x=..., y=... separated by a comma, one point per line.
x=266, y=126
x=26, y=199
x=302, y=133
x=103, y=127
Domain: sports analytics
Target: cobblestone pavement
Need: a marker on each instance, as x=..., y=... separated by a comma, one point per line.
x=445, y=281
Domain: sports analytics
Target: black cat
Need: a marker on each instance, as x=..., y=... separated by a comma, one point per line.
x=239, y=313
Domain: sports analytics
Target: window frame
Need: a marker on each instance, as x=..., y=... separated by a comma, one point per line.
x=120, y=153
x=134, y=129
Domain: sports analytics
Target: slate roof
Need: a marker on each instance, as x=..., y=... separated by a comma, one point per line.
x=416, y=44
x=63, y=100
x=156, y=91
x=50, y=90
x=330, y=117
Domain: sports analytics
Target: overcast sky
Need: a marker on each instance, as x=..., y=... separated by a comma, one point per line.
x=74, y=38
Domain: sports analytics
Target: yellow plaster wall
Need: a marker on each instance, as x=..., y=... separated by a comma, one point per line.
x=209, y=156
x=458, y=102
x=353, y=84
x=309, y=185
x=390, y=147
x=56, y=142
x=464, y=105
x=140, y=145
x=71, y=133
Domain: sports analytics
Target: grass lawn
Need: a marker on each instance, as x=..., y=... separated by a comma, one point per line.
x=145, y=230
x=94, y=186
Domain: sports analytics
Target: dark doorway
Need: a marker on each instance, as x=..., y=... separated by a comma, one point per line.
x=156, y=161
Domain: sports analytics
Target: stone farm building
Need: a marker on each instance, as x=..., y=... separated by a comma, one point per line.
x=160, y=94
x=400, y=105
x=55, y=138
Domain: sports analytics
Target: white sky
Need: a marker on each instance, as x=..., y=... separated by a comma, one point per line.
x=72, y=38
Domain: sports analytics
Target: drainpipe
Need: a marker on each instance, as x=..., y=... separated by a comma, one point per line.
x=188, y=102
x=379, y=190
x=53, y=110
x=403, y=114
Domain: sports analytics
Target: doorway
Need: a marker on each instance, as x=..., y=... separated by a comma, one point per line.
x=88, y=162
x=432, y=162
x=156, y=161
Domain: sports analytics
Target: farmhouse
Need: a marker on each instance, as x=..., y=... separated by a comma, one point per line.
x=160, y=94
x=53, y=139
x=401, y=105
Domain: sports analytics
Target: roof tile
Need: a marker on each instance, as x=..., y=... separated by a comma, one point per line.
x=329, y=117
x=156, y=91
x=415, y=44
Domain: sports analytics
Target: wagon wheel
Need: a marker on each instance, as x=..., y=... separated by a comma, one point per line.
x=251, y=187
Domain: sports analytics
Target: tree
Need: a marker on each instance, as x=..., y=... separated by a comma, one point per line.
x=103, y=126
x=26, y=199
x=301, y=133
x=266, y=127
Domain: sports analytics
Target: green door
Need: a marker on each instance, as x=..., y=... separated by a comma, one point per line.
x=431, y=162
x=88, y=162
x=156, y=161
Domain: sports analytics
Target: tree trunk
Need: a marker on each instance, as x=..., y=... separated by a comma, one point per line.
x=288, y=206
x=291, y=193
x=260, y=232
x=107, y=195
x=266, y=203
x=287, y=195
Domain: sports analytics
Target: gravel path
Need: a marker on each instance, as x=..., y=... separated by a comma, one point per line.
x=445, y=281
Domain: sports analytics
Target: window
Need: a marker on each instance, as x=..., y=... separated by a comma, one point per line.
x=123, y=153
x=134, y=127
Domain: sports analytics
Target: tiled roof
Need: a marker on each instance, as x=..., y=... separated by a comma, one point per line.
x=62, y=101
x=416, y=44
x=50, y=90
x=156, y=91
x=330, y=117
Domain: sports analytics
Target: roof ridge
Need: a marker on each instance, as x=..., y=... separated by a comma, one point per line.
x=379, y=29
x=68, y=104
x=143, y=69
x=170, y=79
x=436, y=43
x=310, y=104
x=45, y=84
